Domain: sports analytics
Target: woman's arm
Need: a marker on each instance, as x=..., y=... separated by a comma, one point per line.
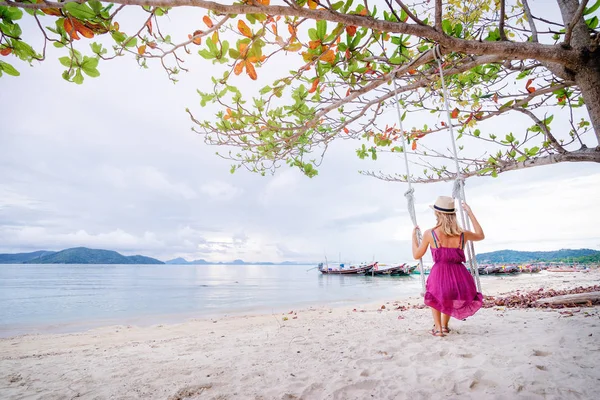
x=478, y=234
x=419, y=250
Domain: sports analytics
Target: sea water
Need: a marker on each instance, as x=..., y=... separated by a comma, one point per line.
x=67, y=298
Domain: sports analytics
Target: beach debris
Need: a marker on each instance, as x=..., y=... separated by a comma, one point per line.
x=400, y=317
x=383, y=307
x=291, y=312
x=285, y=318
x=189, y=392
x=354, y=310
x=535, y=299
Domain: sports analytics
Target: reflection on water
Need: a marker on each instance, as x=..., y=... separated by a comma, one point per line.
x=43, y=295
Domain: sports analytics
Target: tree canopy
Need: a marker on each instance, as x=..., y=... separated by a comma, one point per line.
x=345, y=63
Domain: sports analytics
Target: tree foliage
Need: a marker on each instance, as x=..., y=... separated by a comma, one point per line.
x=347, y=60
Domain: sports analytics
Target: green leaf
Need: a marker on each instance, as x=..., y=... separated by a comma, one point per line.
x=89, y=66
x=66, y=61
x=265, y=90
x=312, y=34
x=78, y=78
x=321, y=29
x=9, y=69
x=119, y=37
x=11, y=14
x=212, y=46
x=233, y=53
x=338, y=5
x=533, y=151
x=95, y=5
x=447, y=27
x=592, y=23
x=131, y=42
x=593, y=8
x=79, y=11
x=477, y=133
x=206, y=54
x=458, y=29
x=96, y=48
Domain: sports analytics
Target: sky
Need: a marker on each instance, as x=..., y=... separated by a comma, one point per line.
x=113, y=164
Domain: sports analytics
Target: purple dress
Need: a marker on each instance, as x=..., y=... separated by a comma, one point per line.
x=450, y=287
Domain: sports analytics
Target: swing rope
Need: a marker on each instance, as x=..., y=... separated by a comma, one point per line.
x=458, y=191
x=410, y=193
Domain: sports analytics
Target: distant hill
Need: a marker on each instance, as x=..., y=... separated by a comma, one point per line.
x=183, y=261
x=19, y=258
x=564, y=255
x=77, y=255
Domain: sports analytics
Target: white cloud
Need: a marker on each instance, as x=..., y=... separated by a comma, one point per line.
x=221, y=191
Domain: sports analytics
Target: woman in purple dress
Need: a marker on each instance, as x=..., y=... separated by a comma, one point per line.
x=450, y=290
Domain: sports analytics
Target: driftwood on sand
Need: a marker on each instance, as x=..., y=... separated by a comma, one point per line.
x=577, y=298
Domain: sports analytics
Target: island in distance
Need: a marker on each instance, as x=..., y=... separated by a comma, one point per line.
x=76, y=255
x=83, y=255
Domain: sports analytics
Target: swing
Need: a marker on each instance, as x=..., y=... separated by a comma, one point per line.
x=458, y=190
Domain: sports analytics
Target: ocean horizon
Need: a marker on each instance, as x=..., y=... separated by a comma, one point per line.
x=57, y=298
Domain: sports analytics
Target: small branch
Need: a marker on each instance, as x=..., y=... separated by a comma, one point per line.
x=502, y=17
x=534, y=33
x=581, y=155
x=410, y=14
x=438, y=16
x=544, y=129
x=576, y=18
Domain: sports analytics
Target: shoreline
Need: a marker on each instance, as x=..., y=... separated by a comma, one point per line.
x=323, y=353
x=497, y=285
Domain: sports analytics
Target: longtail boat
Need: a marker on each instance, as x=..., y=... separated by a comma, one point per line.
x=343, y=269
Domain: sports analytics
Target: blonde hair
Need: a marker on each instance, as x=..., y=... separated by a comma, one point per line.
x=448, y=224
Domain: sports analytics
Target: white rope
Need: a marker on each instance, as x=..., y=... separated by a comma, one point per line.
x=410, y=198
x=458, y=191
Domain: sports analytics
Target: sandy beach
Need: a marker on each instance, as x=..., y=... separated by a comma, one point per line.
x=356, y=352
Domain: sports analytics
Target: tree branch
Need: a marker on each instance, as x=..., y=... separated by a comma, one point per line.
x=534, y=33
x=410, y=14
x=581, y=155
x=502, y=17
x=576, y=17
x=438, y=16
x=544, y=129
x=523, y=51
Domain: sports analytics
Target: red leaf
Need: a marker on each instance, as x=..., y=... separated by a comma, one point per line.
x=454, y=113
x=351, y=30
x=149, y=26
x=314, y=86
x=531, y=89
x=528, y=83
x=414, y=145
x=196, y=40
x=244, y=29
x=206, y=19
x=251, y=71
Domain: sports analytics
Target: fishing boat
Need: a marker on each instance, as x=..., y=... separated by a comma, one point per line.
x=507, y=269
x=343, y=269
x=390, y=269
x=487, y=269
x=416, y=271
x=405, y=270
x=530, y=269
